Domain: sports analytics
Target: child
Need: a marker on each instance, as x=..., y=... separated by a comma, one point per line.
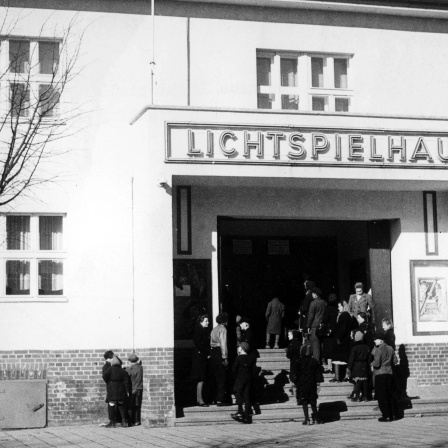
x=243, y=373
x=136, y=374
x=309, y=376
x=389, y=335
x=358, y=367
x=275, y=313
x=383, y=361
x=293, y=354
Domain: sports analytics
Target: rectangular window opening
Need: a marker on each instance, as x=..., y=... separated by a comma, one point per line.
x=263, y=71
x=317, y=72
x=341, y=104
x=340, y=73
x=290, y=102
x=48, y=57
x=288, y=72
x=19, y=56
x=319, y=103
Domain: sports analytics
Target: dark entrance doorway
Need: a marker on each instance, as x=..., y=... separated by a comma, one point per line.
x=261, y=259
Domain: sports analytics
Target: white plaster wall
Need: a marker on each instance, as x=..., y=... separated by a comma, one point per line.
x=394, y=71
x=95, y=192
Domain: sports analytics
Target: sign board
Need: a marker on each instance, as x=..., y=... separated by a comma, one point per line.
x=291, y=145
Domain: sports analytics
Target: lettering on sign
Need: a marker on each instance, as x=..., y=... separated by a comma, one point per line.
x=207, y=143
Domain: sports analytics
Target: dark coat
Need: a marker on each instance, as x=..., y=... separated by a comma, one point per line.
x=342, y=335
x=308, y=372
x=248, y=336
x=368, y=330
x=118, y=383
x=201, y=352
x=329, y=343
x=359, y=360
x=293, y=354
x=304, y=308
x=243, y=369
x=274, y=315
x=389, y=338
x=316, y=312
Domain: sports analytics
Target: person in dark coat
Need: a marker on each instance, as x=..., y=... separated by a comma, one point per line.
x=118, y=390
x=308, y=373
x=384, y=358
x=389, y=335
x=305, y=305
x=366, y=328
x=358, y=367
x=315, y=315
x=136, y=376
x=293, y=354
x=342, y=336
x=329, y=321
x=247, y=334
x=201, y=354
x=275, y=312
x=108, y=356
x=243, y=372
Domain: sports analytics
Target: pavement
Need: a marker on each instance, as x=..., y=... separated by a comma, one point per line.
x=408, y=432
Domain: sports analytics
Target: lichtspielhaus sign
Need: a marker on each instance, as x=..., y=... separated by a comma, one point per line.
x=250, y=144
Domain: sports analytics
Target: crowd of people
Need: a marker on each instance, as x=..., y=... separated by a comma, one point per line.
x=330, y=336
x=124, y=387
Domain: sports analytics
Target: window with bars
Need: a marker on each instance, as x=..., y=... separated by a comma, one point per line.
x=303, y=81
x=32, y=257
x=31, y=75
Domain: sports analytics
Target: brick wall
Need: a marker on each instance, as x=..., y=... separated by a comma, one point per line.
x=428, y=362
x=76, y=390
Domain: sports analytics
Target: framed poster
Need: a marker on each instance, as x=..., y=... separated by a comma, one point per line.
x=192, y=294
x=429, y=299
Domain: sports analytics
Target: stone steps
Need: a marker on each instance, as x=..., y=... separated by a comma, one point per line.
x=329, y=411
x=278, y=405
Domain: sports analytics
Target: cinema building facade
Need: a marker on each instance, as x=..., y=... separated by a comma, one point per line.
x=282, y=141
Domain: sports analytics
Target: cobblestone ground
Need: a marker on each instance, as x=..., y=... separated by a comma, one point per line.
x=409, y=432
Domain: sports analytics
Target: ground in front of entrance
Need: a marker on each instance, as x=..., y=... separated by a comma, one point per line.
x=409, y=432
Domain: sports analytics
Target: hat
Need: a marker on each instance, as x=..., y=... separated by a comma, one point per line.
x=317, y=291
x=378, y=336
x=358, y=336
x=245, y=346
x=133, y=357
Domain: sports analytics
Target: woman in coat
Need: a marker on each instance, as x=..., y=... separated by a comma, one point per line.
x=329, y=322
x=118, y=390
x=342, y=332
x=275, y=313
x=201, y=353
x=308, y=374
x=358, y=366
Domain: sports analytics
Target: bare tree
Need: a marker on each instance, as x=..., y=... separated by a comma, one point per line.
x=36, y=72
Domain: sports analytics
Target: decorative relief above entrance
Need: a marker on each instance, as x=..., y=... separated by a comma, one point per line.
x=283, y=145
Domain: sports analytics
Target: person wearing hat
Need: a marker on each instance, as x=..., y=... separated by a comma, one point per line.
x=247, y=334
x=315, y=315
x=136, y=374
x=384, y=358
x=243, y=373
x=358, y=367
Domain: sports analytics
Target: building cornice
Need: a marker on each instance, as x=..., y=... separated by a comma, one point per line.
x=282, y=112
x=409, y=8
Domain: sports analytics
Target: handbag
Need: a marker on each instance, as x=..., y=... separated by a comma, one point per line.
x=323, y=331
